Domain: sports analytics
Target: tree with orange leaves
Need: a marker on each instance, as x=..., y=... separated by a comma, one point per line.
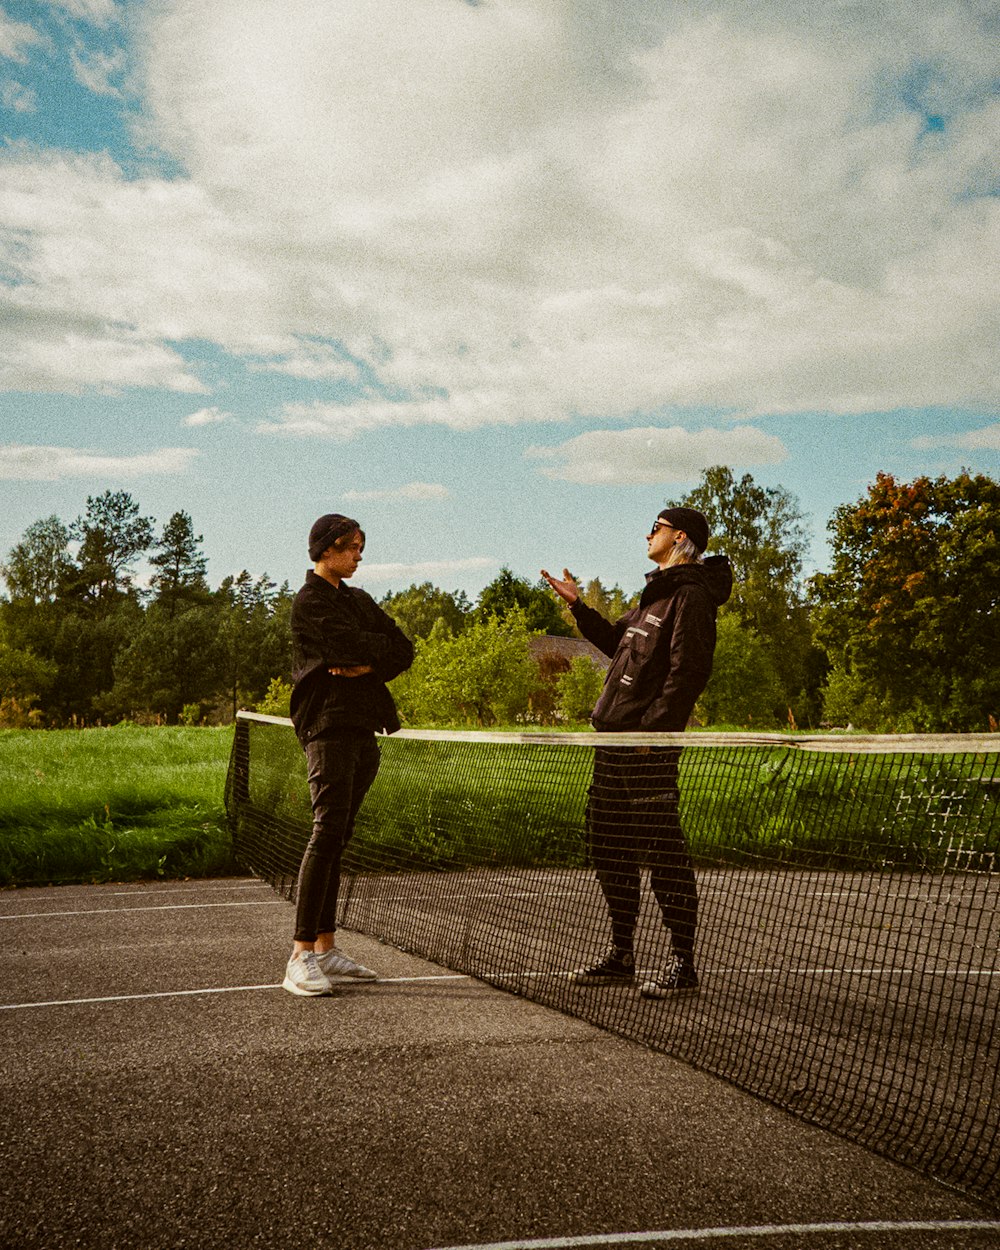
x=910, y=611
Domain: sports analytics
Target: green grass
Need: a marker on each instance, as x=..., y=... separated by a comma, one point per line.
x=757, y=806
x=119, y=804
x=457, y=805
x=132, y=803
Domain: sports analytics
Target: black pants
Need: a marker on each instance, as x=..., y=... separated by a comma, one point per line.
x=633, y=821
x=342, y=766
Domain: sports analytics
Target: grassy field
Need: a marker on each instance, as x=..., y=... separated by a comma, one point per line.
x=118, y=804
x=131, y=803
x=439, y=804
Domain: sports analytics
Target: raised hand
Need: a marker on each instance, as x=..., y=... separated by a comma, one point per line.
x=566, y=589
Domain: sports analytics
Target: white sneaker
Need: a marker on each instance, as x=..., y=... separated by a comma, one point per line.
x=336, y=966
x=304, y=977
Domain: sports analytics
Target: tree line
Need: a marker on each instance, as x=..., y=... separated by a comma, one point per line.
x=902, y=633
x=81, y=643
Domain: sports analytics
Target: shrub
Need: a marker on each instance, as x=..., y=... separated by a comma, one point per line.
x=484, y=675
x=744, y=688
x=278, y=700
x=579, y=688
x=190, y=714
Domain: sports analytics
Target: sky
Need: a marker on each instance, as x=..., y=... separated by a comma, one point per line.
x=498, y=279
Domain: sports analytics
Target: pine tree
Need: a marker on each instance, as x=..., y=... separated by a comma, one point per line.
x=180, y=566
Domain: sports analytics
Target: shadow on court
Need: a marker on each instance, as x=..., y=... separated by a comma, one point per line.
x=160, y=1090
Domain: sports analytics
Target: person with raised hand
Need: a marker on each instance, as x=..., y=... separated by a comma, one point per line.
x=661, y=658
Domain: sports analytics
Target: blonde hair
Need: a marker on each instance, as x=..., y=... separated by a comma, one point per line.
x=684, y=553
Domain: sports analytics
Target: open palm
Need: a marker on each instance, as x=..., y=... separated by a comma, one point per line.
x=566, y=588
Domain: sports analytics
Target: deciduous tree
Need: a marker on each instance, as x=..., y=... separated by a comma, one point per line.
x=85, y=650
x=24, y=678
x=483, y=675
x=579, y=688
x=37, y=571
x=166, y=664
x=910, y=611
x=37, y=567
x=744, y=689
x=417, y=609
x=508, y=594
x=761, y=531
x=611, y=603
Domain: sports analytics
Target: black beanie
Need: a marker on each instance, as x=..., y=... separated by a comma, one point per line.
x=326, y=530
x=692, y=522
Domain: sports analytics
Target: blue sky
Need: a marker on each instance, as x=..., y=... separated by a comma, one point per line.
x=498, y=278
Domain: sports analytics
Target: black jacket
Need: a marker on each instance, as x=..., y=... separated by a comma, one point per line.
x=342, y=626
x=661, y=651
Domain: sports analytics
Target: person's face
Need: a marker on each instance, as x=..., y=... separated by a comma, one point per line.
x=343, y=561
x=660, y=541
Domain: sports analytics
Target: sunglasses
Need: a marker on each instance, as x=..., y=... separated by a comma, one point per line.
x=660, y=525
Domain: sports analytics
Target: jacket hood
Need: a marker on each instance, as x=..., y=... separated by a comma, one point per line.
x=714, y=574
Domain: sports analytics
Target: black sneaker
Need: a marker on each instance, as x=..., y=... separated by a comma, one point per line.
x=615, y=966
x=679, y=981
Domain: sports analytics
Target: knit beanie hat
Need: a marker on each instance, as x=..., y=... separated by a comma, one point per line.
x=326, y=530
x=692, y=522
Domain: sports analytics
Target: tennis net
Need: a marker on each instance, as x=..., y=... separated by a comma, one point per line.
x=847, y=936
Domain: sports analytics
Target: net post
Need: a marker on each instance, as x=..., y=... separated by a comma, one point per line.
x=241, y=776
x=238, y=780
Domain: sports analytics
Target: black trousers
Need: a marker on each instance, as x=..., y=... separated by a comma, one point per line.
x=633, y=822
x=342, y=766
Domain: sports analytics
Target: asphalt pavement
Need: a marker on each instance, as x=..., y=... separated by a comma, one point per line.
x=159, y=1089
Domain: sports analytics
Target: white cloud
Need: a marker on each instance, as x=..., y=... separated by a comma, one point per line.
x=312, y=362
x=96, y=70
x=207, y=416
x=94, y=304
x=986, y=439
x=530, y=211
x=422, y=571
x=67, y=351
x=98, y=12
x=655, y=454
x=458, y=411
x=17, y=97
x=416, y=492
x=21, y=462
x=15, y=37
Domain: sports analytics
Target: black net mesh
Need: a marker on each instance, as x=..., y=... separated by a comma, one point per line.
x=846, y=894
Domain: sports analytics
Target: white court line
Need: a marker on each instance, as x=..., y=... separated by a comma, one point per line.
x=192, y=889
x=513, y=974
x=761, y=971
x=267, y=902
x=114, y=890
x=839, y=971
x=864, y=972
x=477, y=896
x=127, y=911
x=219, y=989
x=717, y=1234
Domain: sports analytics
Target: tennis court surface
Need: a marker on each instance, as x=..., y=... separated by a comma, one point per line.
x=848, y=929
x=159, y=1090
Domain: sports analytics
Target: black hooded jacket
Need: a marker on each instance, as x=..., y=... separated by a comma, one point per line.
x=661, y=651
x=341, y=627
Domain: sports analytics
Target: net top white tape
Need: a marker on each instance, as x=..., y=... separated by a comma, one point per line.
x=867, y=744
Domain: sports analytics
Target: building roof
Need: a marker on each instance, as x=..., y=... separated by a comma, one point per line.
x=568, y=649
